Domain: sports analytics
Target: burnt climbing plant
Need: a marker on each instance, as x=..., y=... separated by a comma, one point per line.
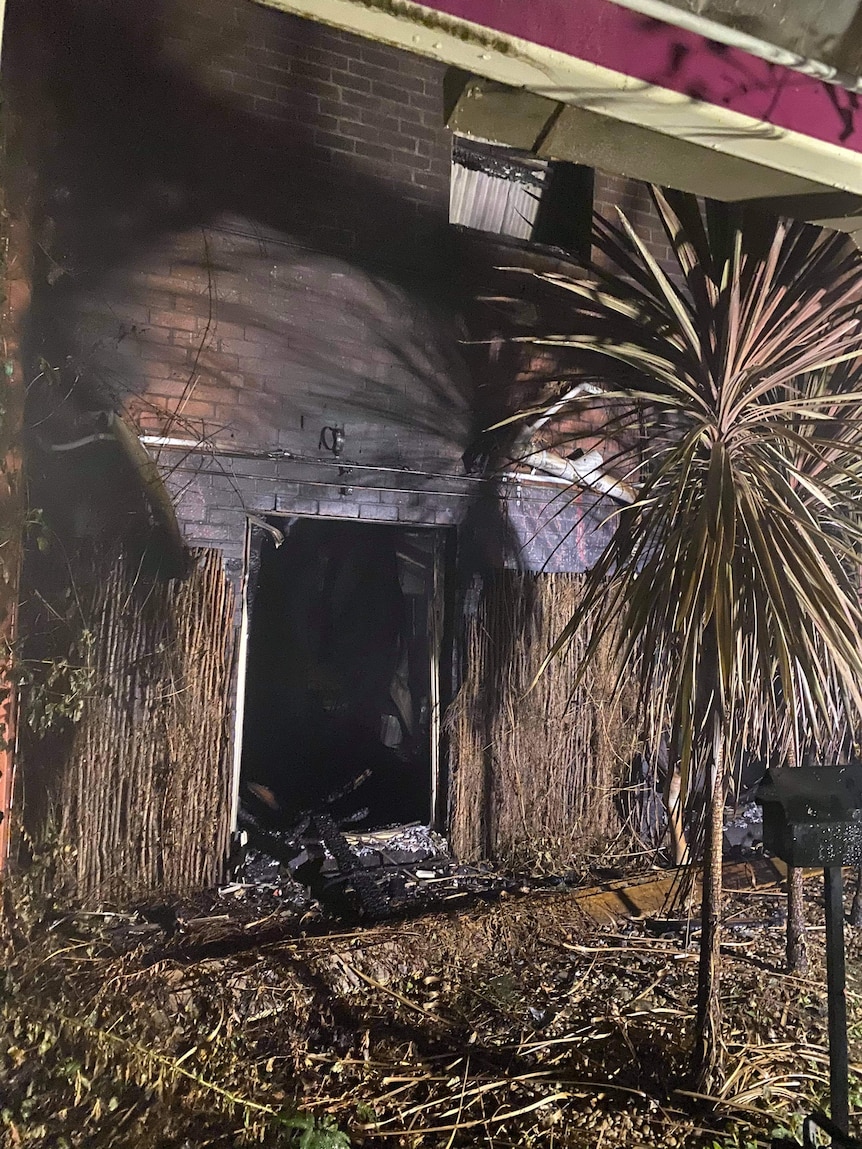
x=732, y=579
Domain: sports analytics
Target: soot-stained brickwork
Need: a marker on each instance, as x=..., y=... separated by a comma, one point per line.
x=612, y=194
x=255, y=347
x=253, y=259
x=272, y=284
x=365, y=155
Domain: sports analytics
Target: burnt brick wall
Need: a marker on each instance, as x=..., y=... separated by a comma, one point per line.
x=276, y=273
x=229, y=333
x=346, y=113
x=252, y=346
x=258, y=217
x=633, y=199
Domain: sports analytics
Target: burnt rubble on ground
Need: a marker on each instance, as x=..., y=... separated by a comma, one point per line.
x=398, y=871
x=371, y=875
x=522, y=1015
x=386, y=875
x=313, y=876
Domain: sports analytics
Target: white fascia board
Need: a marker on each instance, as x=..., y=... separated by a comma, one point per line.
x=522, y=64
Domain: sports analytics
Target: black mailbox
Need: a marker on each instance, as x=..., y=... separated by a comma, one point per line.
x=812, y=815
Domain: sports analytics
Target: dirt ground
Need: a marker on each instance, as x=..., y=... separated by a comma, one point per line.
x=517, y=1022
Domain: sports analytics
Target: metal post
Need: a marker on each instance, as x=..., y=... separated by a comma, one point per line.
x=838, y=1059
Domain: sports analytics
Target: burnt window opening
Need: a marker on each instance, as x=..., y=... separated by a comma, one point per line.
x=511, y=193
x=565, y=213
x=343, y=670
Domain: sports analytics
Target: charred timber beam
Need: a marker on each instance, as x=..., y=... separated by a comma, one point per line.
x=152, y=485
x=156, y=494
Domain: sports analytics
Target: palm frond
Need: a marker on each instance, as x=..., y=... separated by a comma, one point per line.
x=735, y=576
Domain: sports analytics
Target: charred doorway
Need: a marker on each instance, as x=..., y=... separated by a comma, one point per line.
x=342, y=677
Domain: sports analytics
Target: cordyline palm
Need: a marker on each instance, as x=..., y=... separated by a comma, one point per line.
x=732, y=578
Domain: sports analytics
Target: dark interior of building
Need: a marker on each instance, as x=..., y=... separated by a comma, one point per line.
x=341, y=654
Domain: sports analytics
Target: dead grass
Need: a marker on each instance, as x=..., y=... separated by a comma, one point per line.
x=510, y=1024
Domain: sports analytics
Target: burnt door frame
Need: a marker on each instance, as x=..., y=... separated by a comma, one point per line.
x=441, y=632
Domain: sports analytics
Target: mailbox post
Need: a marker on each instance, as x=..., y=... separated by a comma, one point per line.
x=812, y=816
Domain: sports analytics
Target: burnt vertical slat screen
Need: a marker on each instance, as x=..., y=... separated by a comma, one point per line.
x=537, y=773
x=145, y=802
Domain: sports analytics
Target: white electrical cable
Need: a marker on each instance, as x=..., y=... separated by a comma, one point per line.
x=213, y=449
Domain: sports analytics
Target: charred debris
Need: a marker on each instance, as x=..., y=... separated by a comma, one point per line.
x=319, y=858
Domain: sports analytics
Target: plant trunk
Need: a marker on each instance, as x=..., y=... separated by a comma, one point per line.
x=797, y=950
x=707, y=1059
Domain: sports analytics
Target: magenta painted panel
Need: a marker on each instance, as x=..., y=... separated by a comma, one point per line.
x=601, y=32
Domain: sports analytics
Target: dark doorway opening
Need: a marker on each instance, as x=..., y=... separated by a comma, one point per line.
x=343, y=669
